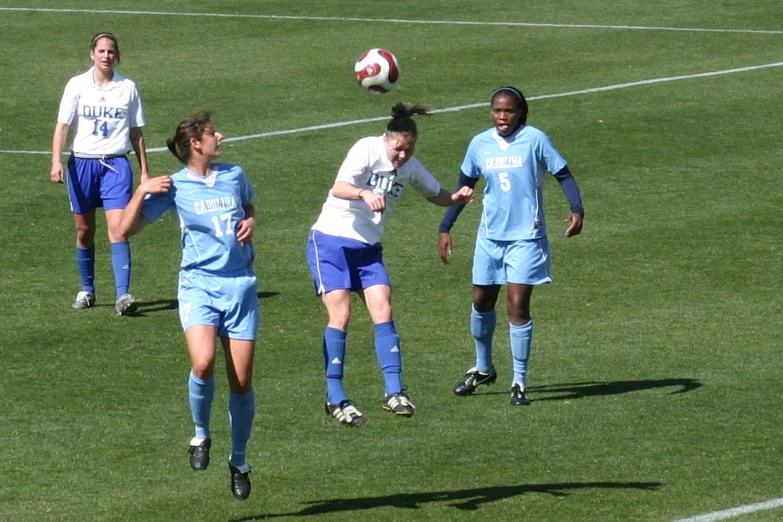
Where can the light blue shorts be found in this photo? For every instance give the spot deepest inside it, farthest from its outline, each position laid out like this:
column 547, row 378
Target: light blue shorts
column 524, row 262
column 229, row 302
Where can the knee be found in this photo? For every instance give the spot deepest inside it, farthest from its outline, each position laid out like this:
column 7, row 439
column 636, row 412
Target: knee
column 203, row 368
column 381, row 313
column 242, row 385
column 85, row 234
column 518, row 313
column 339, row 319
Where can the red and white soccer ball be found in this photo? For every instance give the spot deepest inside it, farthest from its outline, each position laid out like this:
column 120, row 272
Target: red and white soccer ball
column 377, row 70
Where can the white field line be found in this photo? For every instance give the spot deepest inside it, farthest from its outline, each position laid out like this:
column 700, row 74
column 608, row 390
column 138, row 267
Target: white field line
column 392, row 21
column 467, row 107
column 735, row 512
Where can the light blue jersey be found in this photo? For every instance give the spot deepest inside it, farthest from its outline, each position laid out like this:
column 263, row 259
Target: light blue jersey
column 514, row 169
column 209, row 209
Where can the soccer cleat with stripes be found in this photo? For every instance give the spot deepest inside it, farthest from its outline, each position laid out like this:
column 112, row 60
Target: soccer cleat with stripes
column 400, row 404
column 345, row 412
column 518, row 397
column 126, row 304
column 473, row 379
column 84, row 300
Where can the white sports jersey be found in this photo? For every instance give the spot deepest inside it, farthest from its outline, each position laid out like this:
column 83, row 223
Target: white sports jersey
column 101, row 117
column 367, row 166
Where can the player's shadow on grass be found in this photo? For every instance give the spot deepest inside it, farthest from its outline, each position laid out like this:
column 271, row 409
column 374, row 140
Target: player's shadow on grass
column 464, row 499
column 580, row 390
column 161, row 305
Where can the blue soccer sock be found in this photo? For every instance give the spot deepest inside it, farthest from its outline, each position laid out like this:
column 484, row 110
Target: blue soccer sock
column 387, row 349
column 482, row 327
column 85, row 262
column 334, row 363
column 241, row 410
column 521, row 337
column 201, row 393
column 121, row 263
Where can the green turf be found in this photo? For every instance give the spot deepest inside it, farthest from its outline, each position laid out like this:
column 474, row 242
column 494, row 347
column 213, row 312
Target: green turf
column 655, row 371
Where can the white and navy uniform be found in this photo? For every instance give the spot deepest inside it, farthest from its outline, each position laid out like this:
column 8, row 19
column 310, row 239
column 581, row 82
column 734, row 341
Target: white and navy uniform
column 99, row 173
column 344, row 250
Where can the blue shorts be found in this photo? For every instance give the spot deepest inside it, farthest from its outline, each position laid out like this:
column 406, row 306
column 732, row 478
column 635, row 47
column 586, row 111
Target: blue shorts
column 229, row 302
column 94, row 183
column 338, row 263
column 524, row 262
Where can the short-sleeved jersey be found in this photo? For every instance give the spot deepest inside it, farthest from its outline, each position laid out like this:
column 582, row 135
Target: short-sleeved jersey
column 101, row 117
column 514, row 169
column 367, row 166
column 209, row 209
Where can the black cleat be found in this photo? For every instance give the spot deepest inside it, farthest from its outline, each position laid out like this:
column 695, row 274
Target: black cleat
column 518, row 397
column 240, row 481
column 199, row 454
column 346, row 412
column 474, row 379
column 399, row 404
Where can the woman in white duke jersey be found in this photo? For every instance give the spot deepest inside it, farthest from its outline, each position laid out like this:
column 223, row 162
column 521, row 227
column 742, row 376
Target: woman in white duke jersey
column 107, row 115
column 345, row 254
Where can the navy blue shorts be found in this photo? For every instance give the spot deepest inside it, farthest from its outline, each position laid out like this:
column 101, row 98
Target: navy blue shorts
column 95, row 182
column 338, row 263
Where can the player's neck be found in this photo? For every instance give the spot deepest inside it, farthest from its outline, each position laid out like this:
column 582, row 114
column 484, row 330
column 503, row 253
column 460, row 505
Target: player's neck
column 102, row 78
column 200, row 168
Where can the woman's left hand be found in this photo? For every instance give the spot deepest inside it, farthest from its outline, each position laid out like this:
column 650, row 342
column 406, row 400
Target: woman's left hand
column 245, row 230
column 575, row 226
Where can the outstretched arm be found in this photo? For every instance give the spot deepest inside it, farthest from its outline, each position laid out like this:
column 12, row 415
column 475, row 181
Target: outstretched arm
column 462, row 196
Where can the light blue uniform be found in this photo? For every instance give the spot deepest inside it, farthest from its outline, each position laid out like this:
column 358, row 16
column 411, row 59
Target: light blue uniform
column 511, row 245
column 217, row 285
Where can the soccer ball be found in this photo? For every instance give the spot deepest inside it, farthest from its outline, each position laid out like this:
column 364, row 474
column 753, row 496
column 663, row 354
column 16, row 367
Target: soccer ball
column 377, row 70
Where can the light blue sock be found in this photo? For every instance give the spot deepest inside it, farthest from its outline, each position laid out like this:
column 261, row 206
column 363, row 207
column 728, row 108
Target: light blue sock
column 482, row 327
column 521, row 338
column 85, row 262
column 201, row 393
column 387, row 349
column 121, row 263
column 241, row 410
column 334, row 363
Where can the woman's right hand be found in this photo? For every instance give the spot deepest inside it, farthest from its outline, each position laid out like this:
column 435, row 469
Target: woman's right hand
column 445, row 246
column 56, row 174
column 156, row 185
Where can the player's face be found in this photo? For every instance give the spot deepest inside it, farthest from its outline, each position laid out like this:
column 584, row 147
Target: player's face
column 210, row 142
column 505, row 113
column 399, row 148
column 104, row 55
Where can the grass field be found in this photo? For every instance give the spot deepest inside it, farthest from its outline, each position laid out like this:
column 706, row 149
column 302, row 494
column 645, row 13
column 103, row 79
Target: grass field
column 655, row 371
